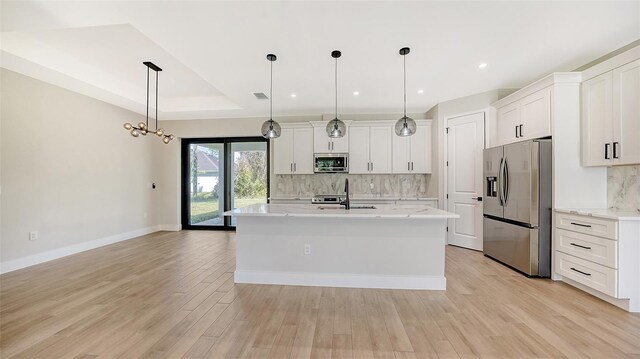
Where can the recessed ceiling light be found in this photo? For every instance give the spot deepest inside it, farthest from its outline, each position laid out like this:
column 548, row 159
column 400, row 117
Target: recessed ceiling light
column 482, row 65
column 420, row 91
column 293, row 95
column 356, row 93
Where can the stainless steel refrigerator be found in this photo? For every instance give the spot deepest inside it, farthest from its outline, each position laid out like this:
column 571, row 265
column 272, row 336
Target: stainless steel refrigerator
column 517, row 208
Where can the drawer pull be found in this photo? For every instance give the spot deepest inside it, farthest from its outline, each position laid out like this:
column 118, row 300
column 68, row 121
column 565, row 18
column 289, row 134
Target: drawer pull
column 577, row 245
column 581, row 272
column 581, row 225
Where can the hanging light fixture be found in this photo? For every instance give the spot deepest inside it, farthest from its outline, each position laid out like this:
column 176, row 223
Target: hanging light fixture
column 406, row 126
column 270, row 128
column 143, row 128
column 336, row 128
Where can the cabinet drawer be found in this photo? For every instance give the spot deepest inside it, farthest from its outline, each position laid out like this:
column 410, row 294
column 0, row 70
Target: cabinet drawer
column 592, row 275
column 587, row 225
column 595, row 249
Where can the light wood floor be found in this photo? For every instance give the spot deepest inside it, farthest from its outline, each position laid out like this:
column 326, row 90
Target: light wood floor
column 171, row 295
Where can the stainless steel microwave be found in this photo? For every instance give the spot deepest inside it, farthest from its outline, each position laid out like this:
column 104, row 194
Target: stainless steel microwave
column 331, row 163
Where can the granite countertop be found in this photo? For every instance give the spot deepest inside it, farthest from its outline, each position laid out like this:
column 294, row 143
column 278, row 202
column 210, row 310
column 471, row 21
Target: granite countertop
column 607, row 213
column 314, row 210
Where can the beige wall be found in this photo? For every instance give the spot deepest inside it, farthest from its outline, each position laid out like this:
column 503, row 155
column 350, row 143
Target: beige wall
column 69, row 171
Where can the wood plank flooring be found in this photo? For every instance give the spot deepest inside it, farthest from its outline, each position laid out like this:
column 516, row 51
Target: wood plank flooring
column 171, row 295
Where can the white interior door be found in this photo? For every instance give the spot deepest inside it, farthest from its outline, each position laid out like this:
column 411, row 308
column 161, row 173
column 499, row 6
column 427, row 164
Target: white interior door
column 465, row 143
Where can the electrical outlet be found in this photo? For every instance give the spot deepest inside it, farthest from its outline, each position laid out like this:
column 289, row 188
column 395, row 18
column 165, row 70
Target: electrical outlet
column 33, row 235
column 307, row 249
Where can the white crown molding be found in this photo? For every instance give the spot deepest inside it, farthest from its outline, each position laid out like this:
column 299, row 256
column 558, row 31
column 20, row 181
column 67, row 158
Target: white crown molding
column 555, row 78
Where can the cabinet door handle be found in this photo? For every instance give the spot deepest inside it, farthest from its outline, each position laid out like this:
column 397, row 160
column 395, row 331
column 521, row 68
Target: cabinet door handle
column 295, row 167
column 368, row 169
column 412, row 165
column 581, row 272
column 329, row 146
column 520, row 130
column 581, row 225
column 579, row 246
column 408, row 166
column 290, row 167
column 615, row 149
column 517, row 132
column 372, row 166
column 606, row 151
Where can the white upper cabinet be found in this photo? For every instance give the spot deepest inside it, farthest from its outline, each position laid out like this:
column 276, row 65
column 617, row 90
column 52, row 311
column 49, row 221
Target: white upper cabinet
column 293, row 151
column 524, row 119
column 611, row 117
column 535, row 112
column 597, row 126
column 626, row 114
column 412, row 154
column 322, row 143
column 370, row 149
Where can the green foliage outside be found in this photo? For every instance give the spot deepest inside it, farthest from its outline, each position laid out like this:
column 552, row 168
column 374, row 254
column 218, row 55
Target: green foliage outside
column 250, row 186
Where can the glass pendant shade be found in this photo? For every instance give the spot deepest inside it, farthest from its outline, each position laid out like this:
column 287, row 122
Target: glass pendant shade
column 406, row 126
column 336, row 128
column 270, row 129
column 128, row 126
column 159, row 132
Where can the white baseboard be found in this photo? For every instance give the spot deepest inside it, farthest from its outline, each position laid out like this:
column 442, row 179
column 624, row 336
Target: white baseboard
column 341, row 280
column 620, row 303
column 38, row 258
column 170, row 227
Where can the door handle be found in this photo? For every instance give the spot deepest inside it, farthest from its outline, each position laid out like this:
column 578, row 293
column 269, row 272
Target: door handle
column 408, row 166
column 372, row 166
column 329, row 146
column 517, row 132
column 520, row 130
column 500, row 182
column 479, row 199
column 606, row 151
column 615, row 150
column 291, row 167
column 295, row 167
column 412, row 165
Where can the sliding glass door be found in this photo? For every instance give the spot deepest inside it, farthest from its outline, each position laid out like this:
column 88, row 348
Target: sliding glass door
column 219, row 174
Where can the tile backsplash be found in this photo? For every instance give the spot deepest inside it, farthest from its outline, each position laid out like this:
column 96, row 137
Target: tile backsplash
column 623, row 187
column 286, row 186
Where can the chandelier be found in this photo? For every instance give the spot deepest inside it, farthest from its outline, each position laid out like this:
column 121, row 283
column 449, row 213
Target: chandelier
column 143, row 128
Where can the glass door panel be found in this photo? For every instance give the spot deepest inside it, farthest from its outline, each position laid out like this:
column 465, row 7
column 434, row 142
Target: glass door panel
column 206, row 184
column 248, row 174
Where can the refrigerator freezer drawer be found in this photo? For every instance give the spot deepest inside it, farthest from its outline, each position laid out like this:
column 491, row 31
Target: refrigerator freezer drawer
column 517, row 246
column 596, row 276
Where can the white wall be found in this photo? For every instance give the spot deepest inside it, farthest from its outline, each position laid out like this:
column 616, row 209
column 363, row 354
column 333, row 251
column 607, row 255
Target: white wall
column 69, row 171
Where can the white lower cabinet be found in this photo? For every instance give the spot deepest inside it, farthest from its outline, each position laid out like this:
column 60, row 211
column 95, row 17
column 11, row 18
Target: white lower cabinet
column 601, row 254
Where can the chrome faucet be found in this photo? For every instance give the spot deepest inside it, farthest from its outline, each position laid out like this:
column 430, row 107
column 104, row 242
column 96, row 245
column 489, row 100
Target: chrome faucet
column 346, row 203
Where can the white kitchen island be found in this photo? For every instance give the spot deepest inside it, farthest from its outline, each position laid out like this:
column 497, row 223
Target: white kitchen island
column 398, row 247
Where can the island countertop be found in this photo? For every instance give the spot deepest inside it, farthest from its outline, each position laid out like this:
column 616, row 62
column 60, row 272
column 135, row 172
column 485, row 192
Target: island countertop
column 325, row 211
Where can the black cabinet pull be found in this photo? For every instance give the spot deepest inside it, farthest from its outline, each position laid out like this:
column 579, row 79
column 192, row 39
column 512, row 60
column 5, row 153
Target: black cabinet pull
column 581, row 225
column 606, row 151
column 479, row 199
column 615, row 150
column 520, row 130
column 517, row 132
column 577, row 245
column 581, row 272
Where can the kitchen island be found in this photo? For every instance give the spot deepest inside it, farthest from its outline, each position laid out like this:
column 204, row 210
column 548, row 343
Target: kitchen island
column 396, row 247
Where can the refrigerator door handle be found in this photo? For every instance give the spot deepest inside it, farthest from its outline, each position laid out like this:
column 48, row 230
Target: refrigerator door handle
column 505, row 184
column 500, row 182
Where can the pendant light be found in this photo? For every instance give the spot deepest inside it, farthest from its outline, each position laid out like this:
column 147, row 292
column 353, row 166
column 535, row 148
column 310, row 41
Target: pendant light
column 336, row 128
column 405, row 126
column 270, row 128
column 143, row 128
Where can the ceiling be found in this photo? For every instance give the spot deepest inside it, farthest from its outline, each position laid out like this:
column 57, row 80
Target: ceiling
column 213, row 54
